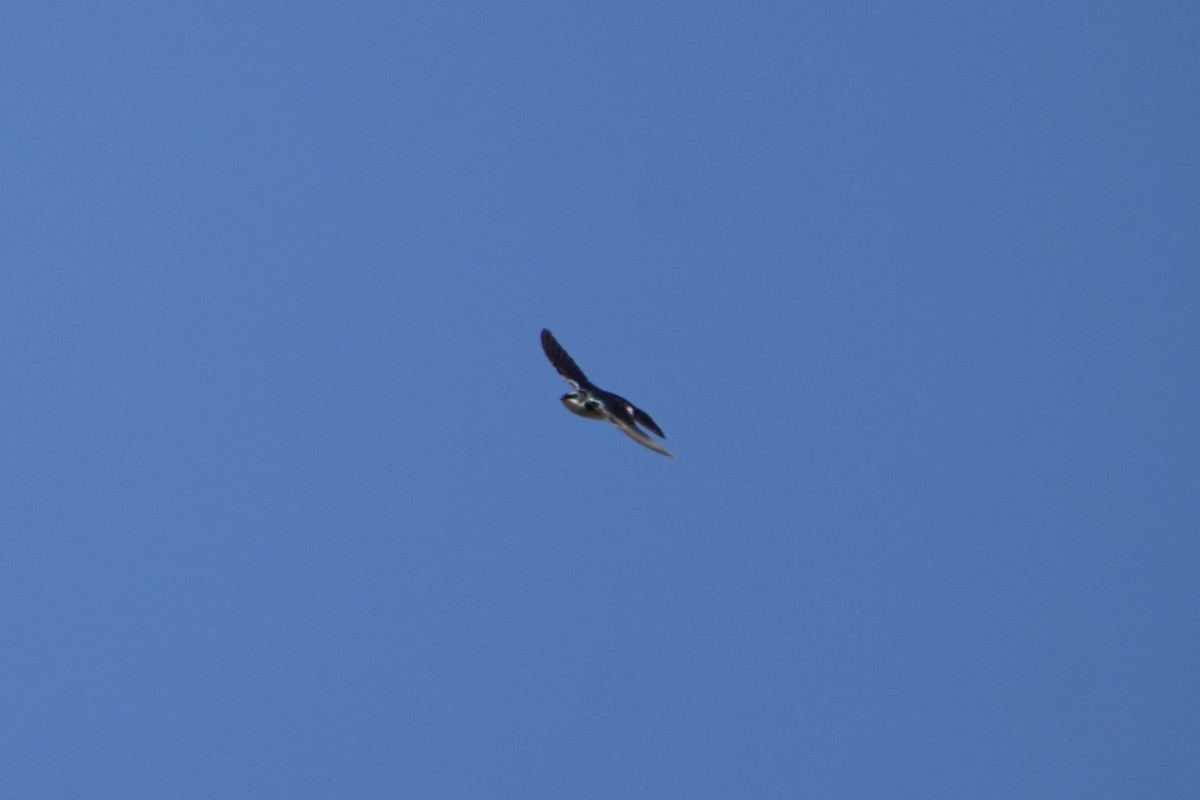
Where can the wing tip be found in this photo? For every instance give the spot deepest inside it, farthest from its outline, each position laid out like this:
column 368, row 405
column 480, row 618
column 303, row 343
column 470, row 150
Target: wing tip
column 644, row 419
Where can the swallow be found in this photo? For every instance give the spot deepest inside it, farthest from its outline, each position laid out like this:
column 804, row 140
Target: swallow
column 591, row 402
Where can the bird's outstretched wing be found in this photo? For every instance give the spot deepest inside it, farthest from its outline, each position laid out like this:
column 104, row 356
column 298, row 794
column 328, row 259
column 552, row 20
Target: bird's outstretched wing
column 563, row 363
column 644, row 420
column 635, row 433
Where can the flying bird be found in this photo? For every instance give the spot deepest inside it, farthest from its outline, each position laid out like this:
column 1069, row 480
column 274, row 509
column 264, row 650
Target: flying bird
column 590, row 401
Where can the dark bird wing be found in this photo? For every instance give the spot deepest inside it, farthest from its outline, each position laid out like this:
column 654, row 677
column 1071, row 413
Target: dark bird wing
column 635, row 433
column 644, row 420
column 563, row 363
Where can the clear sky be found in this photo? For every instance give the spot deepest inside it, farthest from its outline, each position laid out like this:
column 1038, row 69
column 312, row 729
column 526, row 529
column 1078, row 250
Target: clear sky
column 290, row 506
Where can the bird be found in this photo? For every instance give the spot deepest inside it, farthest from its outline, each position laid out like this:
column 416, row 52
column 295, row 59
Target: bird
column 591, row 402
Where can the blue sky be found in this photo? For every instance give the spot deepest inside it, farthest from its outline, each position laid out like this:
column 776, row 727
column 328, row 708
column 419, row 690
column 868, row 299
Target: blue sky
column 292, row 509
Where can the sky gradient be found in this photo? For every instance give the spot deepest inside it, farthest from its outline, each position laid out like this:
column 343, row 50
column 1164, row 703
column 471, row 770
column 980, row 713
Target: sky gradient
column 291, row 508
